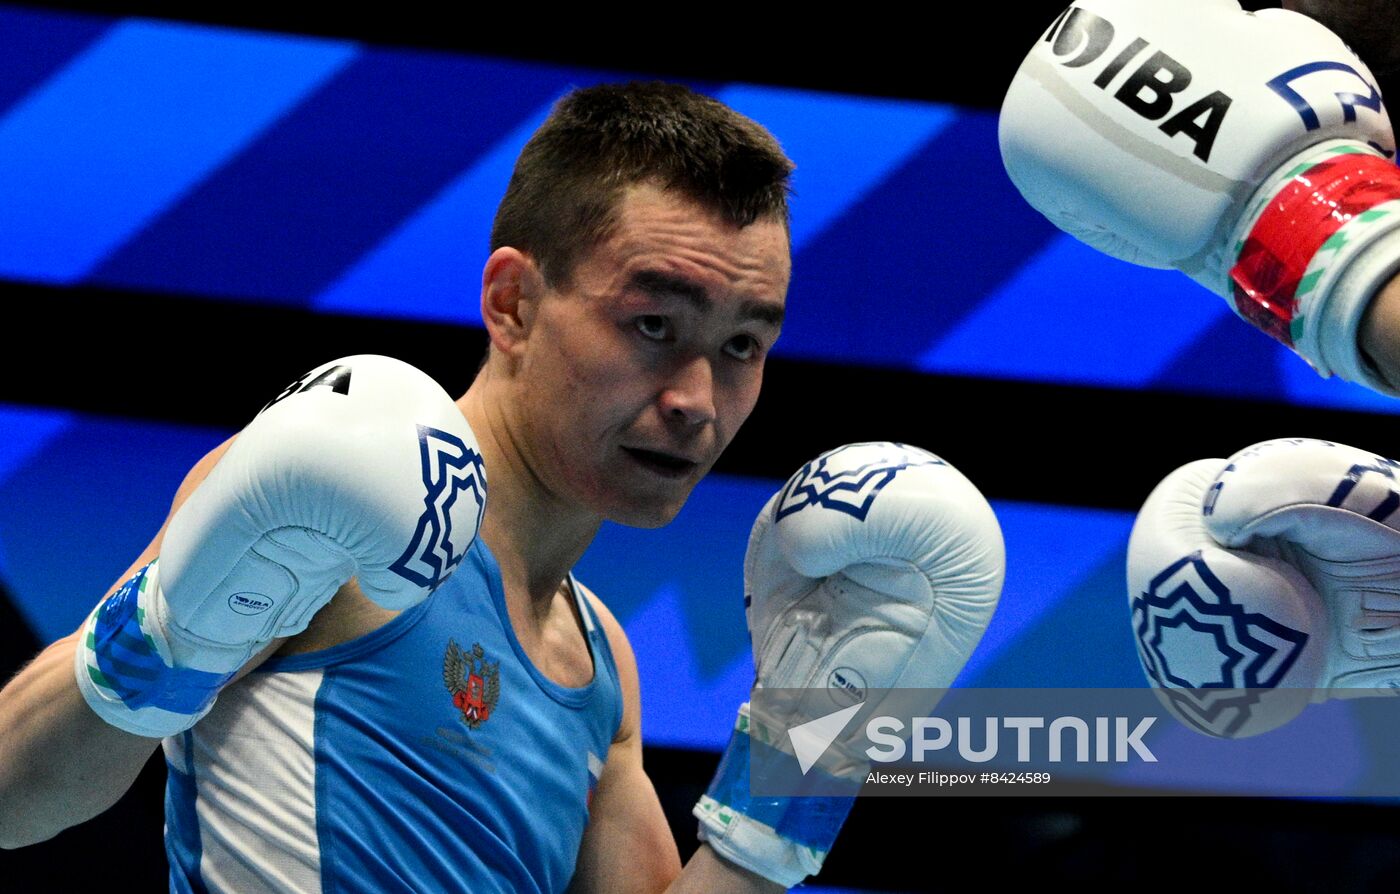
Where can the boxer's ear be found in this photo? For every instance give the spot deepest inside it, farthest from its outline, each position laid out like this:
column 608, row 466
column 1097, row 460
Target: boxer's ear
column 511, row 288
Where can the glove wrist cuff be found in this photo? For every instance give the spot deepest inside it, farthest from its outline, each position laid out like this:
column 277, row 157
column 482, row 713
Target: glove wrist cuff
column 124, row 669
column 783, row 839
column 1358, row 280
column 1306, row 268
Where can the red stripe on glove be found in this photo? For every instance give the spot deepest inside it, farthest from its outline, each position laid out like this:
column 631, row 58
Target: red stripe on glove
column 1306, row 213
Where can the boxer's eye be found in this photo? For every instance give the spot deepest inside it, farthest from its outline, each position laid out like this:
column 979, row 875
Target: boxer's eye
column 742, row 347
column 654, row 326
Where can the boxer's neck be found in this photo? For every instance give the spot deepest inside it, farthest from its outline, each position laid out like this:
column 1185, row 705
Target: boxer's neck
column 536, row 537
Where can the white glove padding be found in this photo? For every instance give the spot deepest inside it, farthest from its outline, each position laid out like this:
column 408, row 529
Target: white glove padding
column 1159, row 132
column 877, row 566
column 364, row 467
column 1267, row 581
column 877, row 557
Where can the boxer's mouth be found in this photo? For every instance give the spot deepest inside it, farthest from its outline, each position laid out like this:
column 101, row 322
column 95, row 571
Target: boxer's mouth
column 667, row 465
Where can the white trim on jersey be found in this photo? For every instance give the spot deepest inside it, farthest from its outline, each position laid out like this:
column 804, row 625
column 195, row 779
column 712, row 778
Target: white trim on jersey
column 254, row 764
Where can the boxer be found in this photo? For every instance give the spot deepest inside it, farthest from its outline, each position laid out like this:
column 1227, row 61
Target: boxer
column 368, row 676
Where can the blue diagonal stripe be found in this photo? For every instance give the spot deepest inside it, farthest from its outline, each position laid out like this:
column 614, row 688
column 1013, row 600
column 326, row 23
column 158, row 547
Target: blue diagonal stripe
column 688, row 705
column 431, row 266
column 125, row 129
column 843, row 145
column 701, row 561
column 1074, row 315
column 1300, row 384
column 1050, row 550
column 26, row 433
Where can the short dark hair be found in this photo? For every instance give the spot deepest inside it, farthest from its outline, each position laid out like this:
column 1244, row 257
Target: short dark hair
column 564, row 191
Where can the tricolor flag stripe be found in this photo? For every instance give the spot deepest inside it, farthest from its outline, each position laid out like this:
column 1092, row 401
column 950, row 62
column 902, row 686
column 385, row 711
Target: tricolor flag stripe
column 595, row 770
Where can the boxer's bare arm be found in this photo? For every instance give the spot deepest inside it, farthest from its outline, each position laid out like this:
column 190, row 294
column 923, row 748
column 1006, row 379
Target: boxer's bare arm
column 708, row 871
column 60, row 764
column 1380, row 331
column 627, row 846
column 1369, row 27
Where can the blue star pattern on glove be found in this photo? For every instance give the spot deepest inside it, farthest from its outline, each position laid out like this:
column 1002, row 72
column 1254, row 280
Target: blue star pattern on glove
column 1187, row 603
column 450, row 469
column 852, row 491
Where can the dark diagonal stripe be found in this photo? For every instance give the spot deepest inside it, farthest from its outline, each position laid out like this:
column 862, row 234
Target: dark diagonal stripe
column 1227, row 356
column 916, row 254
column 34, row 45
column 331, row 179
column 127, row 680
column 63, row 553
column 133, row 652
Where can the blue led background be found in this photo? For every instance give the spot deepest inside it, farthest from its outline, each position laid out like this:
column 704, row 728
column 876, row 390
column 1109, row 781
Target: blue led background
column 336, row 176
column 331, row 175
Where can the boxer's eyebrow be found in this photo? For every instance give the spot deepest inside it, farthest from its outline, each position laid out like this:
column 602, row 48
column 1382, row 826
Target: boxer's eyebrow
column 665, row 285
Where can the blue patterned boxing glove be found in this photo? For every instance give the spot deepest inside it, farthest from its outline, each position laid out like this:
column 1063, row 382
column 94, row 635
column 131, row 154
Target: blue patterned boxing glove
column 364, row 468
column 1268, row 581
column 877, row 566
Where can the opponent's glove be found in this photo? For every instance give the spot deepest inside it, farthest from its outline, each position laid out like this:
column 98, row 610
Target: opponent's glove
column 877, row 566
column 1267, row 581
column 363, row 467
column 1248, row 150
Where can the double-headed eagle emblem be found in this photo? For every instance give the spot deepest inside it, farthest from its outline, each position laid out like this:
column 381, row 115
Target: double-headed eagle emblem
column 474, row 682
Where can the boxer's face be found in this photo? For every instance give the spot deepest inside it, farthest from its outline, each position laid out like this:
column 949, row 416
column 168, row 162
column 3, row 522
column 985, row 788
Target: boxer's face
column 641, row 369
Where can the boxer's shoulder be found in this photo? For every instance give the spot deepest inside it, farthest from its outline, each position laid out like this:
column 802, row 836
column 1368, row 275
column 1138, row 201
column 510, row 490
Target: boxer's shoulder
column 625, row 661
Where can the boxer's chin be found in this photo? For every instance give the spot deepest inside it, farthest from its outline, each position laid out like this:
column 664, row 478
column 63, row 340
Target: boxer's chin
column 646, row 490
column 657, row 514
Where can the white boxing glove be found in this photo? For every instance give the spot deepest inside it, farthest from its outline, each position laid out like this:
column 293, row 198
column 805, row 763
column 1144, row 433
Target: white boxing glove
column 876, row 567
column 1268, row 581
column 364, row 468
column 1248, row 150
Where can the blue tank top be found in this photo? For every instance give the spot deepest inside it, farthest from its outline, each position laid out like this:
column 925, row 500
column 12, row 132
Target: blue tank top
column 428, row 755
